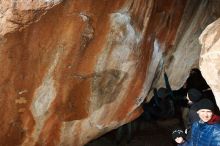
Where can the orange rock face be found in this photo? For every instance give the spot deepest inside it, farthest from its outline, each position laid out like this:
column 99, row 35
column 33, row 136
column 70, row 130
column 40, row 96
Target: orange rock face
column 74, row 70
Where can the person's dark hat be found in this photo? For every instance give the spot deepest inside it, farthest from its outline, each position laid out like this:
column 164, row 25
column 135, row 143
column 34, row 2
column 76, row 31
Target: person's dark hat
column 194, row 95
column 162, row 92
column 204, row 104
column 178, row 133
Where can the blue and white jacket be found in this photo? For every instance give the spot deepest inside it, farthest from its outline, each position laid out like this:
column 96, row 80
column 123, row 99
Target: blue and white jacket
column 204, row 134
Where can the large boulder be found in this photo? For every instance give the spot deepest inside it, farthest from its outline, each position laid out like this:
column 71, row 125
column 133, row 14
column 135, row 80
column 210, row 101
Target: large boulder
column 74, row 70
column 210, row 57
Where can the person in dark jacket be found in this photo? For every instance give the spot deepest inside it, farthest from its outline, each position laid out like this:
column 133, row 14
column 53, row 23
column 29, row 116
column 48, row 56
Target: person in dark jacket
column 159, row 107
column 165, row 108
column 196, row 81
column 193, row 96
column 203, row 132
column 179, row 137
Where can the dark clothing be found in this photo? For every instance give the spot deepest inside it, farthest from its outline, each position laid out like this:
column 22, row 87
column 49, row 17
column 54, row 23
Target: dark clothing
column 165, row 109
column 184, row 144
column 192, row 117
column 158, row 109
column 204, row 134
column 167, row 83
column 180, row 97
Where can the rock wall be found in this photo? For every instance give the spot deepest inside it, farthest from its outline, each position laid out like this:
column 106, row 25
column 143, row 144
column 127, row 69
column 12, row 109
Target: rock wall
column 185, row 52
column 74, row 70
column 210, row 57
column 18, row 14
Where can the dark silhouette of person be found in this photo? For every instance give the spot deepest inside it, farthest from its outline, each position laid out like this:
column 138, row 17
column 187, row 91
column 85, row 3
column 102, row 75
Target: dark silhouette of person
column 159, row 107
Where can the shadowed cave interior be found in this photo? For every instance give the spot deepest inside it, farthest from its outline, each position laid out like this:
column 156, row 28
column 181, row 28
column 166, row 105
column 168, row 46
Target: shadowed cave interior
column 155, row 132
column 142, row 134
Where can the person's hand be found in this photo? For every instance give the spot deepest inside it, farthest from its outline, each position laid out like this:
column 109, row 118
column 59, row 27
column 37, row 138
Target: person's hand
column 179, row 140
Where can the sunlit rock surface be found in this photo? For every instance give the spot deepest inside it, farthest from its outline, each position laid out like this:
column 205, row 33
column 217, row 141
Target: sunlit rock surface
column 74, row 70
column 210, row 57
column 18, row 14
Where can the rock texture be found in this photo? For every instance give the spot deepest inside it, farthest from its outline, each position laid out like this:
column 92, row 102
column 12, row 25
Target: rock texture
column 185, row 52
column 18, row 14
column 210, row 57
column 74, row 70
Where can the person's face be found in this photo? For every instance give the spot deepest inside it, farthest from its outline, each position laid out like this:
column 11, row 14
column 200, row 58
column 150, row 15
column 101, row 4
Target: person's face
column 205, row 114
column 179, row 140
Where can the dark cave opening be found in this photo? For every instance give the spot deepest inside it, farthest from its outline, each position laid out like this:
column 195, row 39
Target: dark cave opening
column 139, row 133
column 156, row 132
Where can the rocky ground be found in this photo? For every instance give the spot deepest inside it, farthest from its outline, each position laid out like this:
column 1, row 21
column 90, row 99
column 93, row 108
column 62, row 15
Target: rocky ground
column 143, row 134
